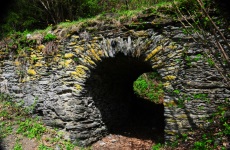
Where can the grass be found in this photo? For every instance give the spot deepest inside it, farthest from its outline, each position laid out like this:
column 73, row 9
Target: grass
column 16, row 121
column 120, row 17
column 18, row 146
column 135, row 8
column 150, row 87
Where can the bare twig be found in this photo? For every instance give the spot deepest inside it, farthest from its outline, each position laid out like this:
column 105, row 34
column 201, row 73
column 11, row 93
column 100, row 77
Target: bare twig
column 199, row 27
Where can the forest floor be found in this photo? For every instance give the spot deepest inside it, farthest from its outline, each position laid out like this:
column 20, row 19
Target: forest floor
column 119, row 142
column 21, row 131
column 110, row 142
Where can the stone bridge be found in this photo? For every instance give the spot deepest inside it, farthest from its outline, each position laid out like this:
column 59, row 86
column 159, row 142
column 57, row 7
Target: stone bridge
column 83, row 84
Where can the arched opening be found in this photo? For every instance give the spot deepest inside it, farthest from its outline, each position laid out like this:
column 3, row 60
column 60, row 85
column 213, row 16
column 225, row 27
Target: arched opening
column 123, row 112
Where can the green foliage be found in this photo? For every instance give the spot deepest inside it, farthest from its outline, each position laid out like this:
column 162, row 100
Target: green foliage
column 69, row 146
column 41, row 13
column 176, row 91
column 43, row 147
column 150, row 87
column 214, row 136
column 198, row 57
column 17, row 146
column 199, row 145
column 15, row 119
column 5, row 129
column 201, row 96
column 211, row 62
column 20, row 19
column 184, row 137
column 49, row 37
column 31, row 129
column 226, row 128
column 223, row 120
column 205, row 143
column 188, row 60
column 92, row 8
column 157, row 146
column 180, row 103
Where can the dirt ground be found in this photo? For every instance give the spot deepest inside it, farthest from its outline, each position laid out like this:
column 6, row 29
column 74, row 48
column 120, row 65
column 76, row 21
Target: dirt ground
column 10, row 141
column 119, row 142
column 110, row 142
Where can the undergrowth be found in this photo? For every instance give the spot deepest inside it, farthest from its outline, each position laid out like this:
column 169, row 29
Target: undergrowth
column 215, row 135
column 18, row 121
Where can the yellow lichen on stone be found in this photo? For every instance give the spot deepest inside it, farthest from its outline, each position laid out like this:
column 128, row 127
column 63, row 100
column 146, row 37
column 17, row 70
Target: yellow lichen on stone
column 66, row 63
column 156, row 50
column 75, row 37
column 159, row 65
column 80, row 72
column 41, row 47
column 96, row 46
column 78, row 87
column 96, row 38
column 17, row 63
column 171, row 46
column 170, row 55
column 169, row 77
column 76, row 77
column 25, row 79
column 73, row 73
column 31, row 72
column 83, row 67
column 33, row 57
column 72, row 43
column 155, row 66
column 100, row 53
column 155, row 59
column 182, row 116
column 89, row 46
column 170, row 132
column 62, row 63
column 95, row 55
column 83, row 40
column 166, row 84
column 171, row 103
column 92, row 46
column 87, row 59
column 139, row 33
column 38, row 64
column 56, row 59
column 163, row 40
column 69, row 55
column 78, row 49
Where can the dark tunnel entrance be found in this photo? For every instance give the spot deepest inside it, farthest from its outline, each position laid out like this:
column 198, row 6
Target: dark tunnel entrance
column 111, row 87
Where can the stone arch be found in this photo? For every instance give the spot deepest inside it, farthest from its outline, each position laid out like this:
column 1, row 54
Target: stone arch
column 60, row 84
column 122, row 112
column 111, row 60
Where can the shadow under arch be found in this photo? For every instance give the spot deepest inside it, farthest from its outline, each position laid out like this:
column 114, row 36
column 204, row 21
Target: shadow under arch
column 111, row 87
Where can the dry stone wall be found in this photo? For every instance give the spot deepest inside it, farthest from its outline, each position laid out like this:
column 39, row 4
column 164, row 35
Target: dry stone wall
column 85, row 87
